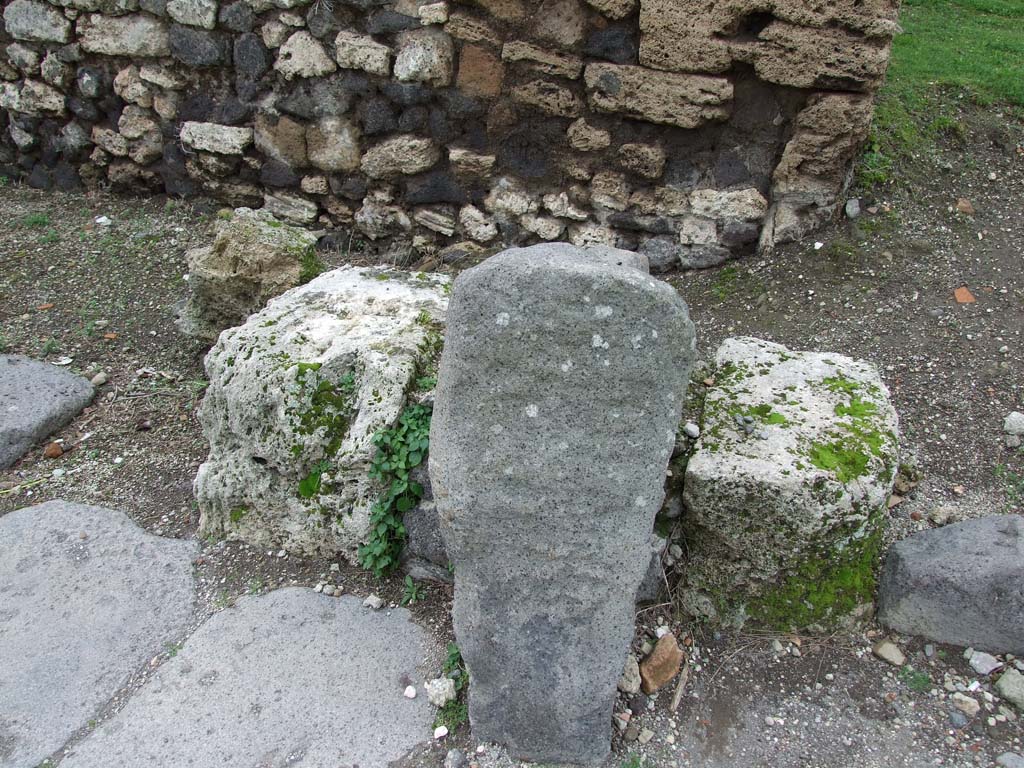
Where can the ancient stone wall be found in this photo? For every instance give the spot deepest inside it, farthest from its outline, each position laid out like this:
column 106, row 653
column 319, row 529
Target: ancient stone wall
column 688, row 129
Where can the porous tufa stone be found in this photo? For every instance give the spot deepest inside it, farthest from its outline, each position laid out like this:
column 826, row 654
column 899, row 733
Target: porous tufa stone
column 806, row 444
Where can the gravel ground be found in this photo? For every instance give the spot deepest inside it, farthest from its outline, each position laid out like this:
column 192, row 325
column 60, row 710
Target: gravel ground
column 880, row 287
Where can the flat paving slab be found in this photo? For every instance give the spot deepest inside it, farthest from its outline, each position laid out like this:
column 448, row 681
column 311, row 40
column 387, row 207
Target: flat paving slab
column 290, row 678
column 86, row 598
column 36, row 398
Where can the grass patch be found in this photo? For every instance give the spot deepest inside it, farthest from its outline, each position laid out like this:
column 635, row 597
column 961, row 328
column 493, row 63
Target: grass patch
column 967, row 45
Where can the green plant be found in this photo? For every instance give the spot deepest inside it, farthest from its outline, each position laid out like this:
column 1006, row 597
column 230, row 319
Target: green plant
column 49, row 347
column 725, row 282
column 172, row 648
column 311, row 264
column 1013, row 486
column 919, row 682
column 50, row 237
column 400, row 449
column 635, row 761
column 35, row 220
column 454, row 713
column 413, row 592
column 309, row 486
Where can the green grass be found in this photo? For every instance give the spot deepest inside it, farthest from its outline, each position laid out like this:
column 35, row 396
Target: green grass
column 965, row 46
column 972, row 44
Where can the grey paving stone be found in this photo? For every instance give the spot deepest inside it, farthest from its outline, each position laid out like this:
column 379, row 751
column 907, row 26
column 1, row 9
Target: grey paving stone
column 290, row 678
column 35, row 399
column 86, row 598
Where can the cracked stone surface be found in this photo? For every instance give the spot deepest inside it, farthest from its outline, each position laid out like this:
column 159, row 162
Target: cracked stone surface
column 86, row 598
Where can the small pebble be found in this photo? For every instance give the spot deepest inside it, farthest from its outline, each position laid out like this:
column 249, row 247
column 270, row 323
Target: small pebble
column 410, row 692
column 99, row 379
column 440, row 732
column 691, row 430
column 376, row 603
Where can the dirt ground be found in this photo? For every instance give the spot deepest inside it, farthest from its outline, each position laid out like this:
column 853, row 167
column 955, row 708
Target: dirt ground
column 100, row 297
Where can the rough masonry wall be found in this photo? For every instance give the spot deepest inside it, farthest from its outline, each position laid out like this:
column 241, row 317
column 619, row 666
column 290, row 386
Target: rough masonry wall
column 691, row 130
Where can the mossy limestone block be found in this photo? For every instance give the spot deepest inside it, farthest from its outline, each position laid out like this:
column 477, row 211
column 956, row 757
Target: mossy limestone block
column 786, row 491
column 295, row 397
column 254, row 257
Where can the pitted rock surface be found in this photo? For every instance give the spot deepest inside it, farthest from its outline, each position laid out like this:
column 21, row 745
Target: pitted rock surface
column 86, row 599
column 287, row 678
column 36, row 399
column 295, row 397
column 961, row 584
column 786, row 490
column 558, row 398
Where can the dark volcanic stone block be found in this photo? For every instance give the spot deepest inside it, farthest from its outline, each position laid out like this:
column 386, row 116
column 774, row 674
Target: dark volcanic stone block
column 197, row 47
column 559, row 393
column 961, row 584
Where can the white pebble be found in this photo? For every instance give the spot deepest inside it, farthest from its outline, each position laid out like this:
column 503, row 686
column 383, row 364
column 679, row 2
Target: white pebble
column 410, row 692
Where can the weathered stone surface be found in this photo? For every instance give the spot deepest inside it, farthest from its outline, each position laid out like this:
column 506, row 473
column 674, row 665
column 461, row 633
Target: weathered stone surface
column 560, row 22
column 253, row 258
column 480, row 72
column 277, row 653
column 290, row 207
column 347, row 333
column 302, row 55
column 786, row 491
column 88, row 598
column 687, row 101
column 645, row 160
column 425, row 56
column 355, row 51
column 809, row 181
column 662, row 664
column 281, row 138
column 743, row 204
column 548, row 97
column 614, row 9
column 1010, row 686
column 198, row 47
column 38, row 22
column 543, row 60
column 36, row 399
column 210, row 137
column 195, row 13
column 840, row 46
column 332, row 144
column 123, row 36
column 33, row 98
column 477, row 224
column 586, row 137
column 400, row 156
column 470, row 29
column 959, row 584
column 559, row 392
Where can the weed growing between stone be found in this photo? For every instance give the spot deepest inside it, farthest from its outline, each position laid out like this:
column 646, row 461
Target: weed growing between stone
column 412, row 592
column 400, row 449
column 455, row 712
column 919, row 682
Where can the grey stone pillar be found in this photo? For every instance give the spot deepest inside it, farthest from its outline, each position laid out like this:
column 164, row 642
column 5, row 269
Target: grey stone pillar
column 559, row 394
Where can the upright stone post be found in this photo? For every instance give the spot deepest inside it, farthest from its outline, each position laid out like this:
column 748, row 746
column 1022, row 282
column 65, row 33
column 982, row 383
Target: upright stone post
column 558, row 398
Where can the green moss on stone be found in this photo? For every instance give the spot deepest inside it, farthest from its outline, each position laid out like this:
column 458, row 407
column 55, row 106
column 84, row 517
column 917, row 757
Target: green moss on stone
column 825, row 587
